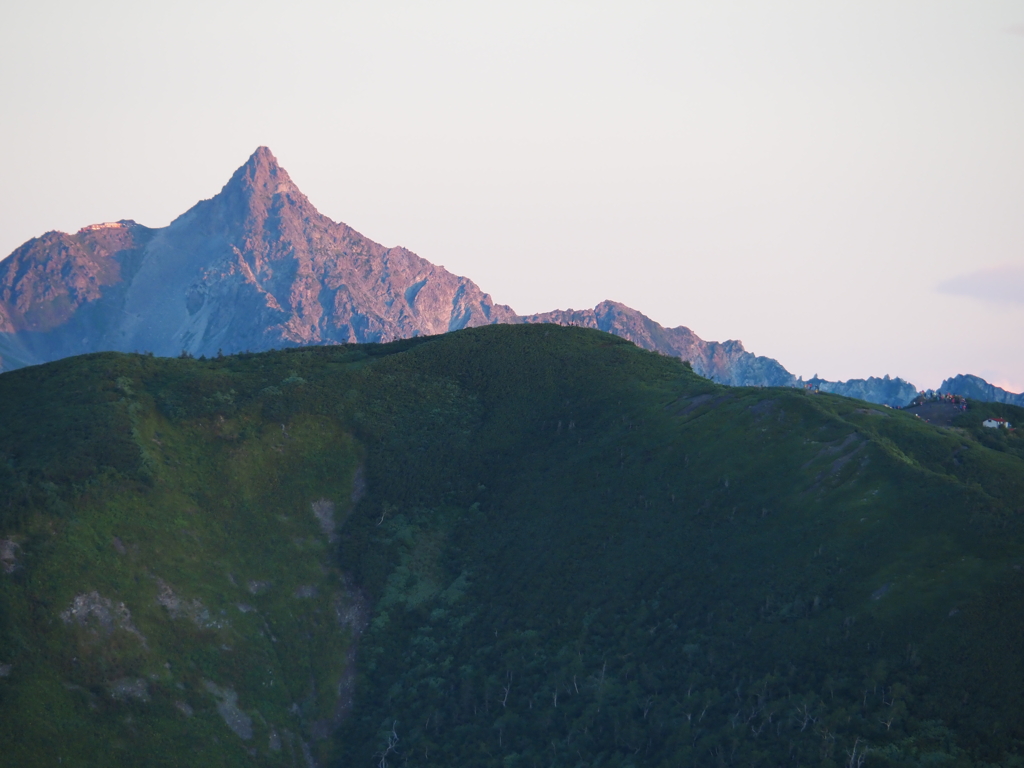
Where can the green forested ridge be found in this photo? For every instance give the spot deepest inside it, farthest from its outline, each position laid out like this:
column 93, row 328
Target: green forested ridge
column 509, row 546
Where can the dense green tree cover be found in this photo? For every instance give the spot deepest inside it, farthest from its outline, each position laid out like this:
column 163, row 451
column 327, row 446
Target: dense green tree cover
column 508, row 546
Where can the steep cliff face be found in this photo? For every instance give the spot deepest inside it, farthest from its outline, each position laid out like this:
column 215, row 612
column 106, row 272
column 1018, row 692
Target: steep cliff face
column 258, row 267
column 255, row 267
column 885, row 390
column 725, row 362
column 62, row 294
column 977, row 388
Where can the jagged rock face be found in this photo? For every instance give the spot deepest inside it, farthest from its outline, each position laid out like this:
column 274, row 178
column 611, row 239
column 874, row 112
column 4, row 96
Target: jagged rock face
column 60, row 294
column 725, row 362
column 977, row 388
column 258, row 267
column 255, row 267
column 886, row 391
column 58, row 273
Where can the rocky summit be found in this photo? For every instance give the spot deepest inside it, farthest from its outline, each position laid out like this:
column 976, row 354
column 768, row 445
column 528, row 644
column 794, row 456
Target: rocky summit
column 257, row 267
column 725, row 362
column 977, row 388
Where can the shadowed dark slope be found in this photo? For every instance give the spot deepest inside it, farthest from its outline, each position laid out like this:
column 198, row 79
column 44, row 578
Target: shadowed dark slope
column 510, row 545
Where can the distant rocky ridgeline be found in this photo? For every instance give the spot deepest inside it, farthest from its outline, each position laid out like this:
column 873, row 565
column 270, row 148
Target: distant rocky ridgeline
column 725, row 362
column 257, row 267
column 976, row 388
column 887, row 391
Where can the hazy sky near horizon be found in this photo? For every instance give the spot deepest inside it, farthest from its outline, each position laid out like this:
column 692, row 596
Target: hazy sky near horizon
column 840, row 185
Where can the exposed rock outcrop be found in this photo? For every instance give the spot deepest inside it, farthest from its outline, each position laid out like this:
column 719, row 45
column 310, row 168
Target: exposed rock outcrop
column 8, row 556
column 100, row 615
column 193, row 610
column 886, row 391
column 227, row 706
column 977, row 388
column 725, row 362
column 257, row 267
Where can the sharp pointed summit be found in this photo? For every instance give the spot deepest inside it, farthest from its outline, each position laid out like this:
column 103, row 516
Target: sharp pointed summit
column 257, row 267
column 257, row 189
column 262, row 158
column 261, row 174
column 254, row 267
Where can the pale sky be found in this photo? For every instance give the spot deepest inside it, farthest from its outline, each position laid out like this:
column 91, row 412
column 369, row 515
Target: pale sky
column 840, row 185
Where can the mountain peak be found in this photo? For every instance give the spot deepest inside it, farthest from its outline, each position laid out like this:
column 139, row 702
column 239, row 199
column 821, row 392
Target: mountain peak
column 261, row 172
column 263, row 158
column 263, row 154
column 255, row 186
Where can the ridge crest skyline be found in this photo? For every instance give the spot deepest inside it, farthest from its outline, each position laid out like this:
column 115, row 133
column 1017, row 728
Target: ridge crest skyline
column 257, row 267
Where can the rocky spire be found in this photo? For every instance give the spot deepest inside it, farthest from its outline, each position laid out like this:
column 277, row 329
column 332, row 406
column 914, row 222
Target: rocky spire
column 261, row 173
column 257, row 188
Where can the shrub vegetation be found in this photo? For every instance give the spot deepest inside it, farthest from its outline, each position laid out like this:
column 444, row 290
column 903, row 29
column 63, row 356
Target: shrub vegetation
column 508, row 546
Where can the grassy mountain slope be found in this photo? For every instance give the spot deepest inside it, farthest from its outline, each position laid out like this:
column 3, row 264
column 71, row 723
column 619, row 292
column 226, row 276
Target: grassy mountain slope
column 511, row 545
